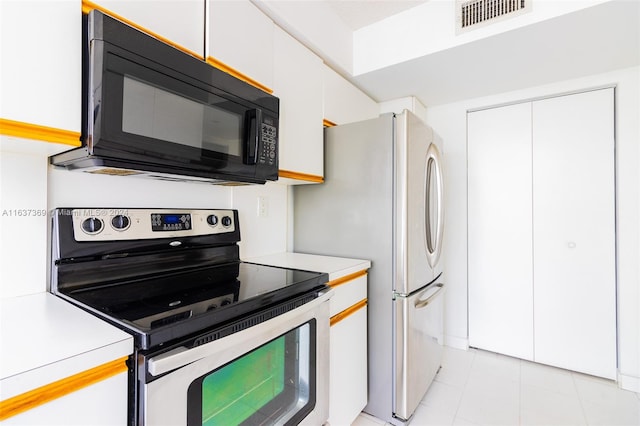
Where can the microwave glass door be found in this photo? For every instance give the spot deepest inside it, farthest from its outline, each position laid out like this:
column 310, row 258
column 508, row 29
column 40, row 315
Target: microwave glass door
column 273, row 384
column 148, row 111
column 159, row 114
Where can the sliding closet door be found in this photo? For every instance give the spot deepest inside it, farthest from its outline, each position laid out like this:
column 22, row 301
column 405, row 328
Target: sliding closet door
column 574, row 232
column 500, row 246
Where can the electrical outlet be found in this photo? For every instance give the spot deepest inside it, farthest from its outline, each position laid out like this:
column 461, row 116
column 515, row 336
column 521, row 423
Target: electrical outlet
column 263, row 206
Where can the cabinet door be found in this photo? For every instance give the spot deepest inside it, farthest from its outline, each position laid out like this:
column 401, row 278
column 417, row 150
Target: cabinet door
column 500, row 245
column 241, row 36
column 40, row 79
column 298, row 84
column 343, row 102
column 179, row 21
column 348, row 372
column 574, row 232
column 100, row 404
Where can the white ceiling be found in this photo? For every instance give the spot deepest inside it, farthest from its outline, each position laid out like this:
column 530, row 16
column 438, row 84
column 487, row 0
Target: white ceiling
column 594, row 40
column 591, row 41
column 360, row 13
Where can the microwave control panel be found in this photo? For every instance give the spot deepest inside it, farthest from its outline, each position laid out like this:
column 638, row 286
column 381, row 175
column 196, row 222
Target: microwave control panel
column 269, row 139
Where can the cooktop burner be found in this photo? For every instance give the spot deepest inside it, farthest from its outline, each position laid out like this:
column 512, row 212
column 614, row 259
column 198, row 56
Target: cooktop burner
column 162, row 284
column 206, row 297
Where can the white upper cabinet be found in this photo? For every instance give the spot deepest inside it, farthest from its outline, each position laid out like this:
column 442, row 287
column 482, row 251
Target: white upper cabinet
column 343, row 102
column 40, row 80
column 242, row 40
column 179, row 22
column 235, row 33
column 298, row 83
column 241, row 36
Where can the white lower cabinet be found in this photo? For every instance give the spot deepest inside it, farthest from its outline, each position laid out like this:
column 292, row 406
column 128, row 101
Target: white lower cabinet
column 348, row 379
column 542, row 283
column 101, row 404
column 63, row 366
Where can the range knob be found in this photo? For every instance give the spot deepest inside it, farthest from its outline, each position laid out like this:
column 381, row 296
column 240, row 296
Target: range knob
column 225, row 302
column 212, row 220
column 226, row 221
column 92, row 225
column 120, row 222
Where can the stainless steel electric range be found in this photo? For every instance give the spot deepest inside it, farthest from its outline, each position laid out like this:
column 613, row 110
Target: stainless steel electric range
column 217, row 340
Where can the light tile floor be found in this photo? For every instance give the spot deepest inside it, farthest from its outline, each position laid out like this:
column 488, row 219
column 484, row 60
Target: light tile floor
column 482, row 388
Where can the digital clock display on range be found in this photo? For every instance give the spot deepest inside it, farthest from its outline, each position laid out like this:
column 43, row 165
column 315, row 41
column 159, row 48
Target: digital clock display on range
column 170, row 222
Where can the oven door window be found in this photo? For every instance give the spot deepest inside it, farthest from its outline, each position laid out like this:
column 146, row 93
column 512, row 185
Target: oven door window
column 273, row 384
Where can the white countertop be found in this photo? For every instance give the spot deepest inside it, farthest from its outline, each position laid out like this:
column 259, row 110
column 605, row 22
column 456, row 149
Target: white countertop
column 336, row 267
column 44, row 338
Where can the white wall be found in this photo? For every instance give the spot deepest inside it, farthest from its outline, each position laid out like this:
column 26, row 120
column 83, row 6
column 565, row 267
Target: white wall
column 23, row 222
column 30, row 186
column 263, row 230
column 449, row 123
column 260, row 235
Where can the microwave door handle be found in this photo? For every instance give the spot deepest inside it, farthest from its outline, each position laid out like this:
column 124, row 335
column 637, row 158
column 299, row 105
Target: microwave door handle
column 252, row 121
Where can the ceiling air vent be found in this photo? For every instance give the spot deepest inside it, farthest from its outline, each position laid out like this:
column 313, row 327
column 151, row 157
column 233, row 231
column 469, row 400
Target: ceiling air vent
column 472, row 14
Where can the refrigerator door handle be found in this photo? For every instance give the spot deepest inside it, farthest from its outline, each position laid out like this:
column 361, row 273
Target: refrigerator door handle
column 434, row 194
column 422, row 303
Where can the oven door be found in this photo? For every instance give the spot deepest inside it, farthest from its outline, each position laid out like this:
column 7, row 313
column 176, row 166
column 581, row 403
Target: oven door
column 274, row 373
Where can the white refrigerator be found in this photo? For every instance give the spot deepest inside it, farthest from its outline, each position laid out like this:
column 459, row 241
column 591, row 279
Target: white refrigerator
column 382, row 200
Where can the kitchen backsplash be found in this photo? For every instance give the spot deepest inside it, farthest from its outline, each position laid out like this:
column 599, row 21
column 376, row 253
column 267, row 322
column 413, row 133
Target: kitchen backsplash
column 32, row 188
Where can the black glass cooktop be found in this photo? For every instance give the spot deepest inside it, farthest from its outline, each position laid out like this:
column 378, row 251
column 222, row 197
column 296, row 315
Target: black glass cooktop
column 162, row 308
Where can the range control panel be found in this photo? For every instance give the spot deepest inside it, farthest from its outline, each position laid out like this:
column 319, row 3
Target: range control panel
column 113, row 224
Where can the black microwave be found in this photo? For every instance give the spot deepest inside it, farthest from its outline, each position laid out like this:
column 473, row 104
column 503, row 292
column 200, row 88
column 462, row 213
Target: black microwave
column 152, row 110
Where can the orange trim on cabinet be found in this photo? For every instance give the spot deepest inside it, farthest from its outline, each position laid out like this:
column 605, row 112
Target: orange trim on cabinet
column 47, row 393
column 300, row 176
column 42, row 133
column 237, row 74
column 347, row 312
column 346, row 278
column 328, row 123
column 88, row 6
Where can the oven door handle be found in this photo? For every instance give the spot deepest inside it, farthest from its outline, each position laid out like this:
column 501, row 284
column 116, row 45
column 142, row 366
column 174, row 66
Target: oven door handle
column 181, row 356
column 164, row 363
